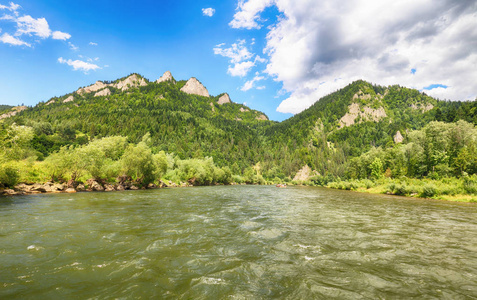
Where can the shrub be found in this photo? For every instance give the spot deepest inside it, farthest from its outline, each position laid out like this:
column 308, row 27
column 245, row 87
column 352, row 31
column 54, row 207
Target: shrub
column 428, row 191
column 470, row 184
column 9, row 176
column 402, row 190
column 368, row 183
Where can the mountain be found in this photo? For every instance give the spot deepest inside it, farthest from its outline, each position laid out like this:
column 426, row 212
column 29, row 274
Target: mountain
column 182, row 118
column 351, row 121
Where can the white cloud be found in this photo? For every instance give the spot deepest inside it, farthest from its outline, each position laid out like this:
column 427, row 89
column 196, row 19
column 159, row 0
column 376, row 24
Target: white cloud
column 73, row 46
column 240, row 58
column 8, row 39
column 79, row 64
column 13, row 7
column 248, row 13
column 250, row 84
column 58, row 35
column 209, row 12
column 240, row 69
column 237, row 52
column 93, row 44
column 315, row 48
column 259, row 59
column 29, row 25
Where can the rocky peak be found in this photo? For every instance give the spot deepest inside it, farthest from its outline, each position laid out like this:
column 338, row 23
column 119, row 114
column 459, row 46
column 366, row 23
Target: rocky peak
column 92, row 88
column 193, row 86
column 167, row 76
column 224, row 99
column 131, row 81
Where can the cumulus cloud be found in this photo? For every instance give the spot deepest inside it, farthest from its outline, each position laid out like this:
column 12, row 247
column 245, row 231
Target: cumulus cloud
column 240, row 69
column 79, row 64
column 209, row 12
column 58, row 35
column 248, row 14
column 237, row 52
column 28, row 26
column 315, row 48
column 13, row 7
column 239, row 57
column 93, row 44
column 8, row 39
column 250, row 84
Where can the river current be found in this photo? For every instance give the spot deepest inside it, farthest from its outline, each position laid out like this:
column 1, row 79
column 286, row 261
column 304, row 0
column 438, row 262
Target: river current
column 237, row 242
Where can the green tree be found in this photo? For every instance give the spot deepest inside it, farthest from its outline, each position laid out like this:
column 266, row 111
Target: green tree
column 376, row 168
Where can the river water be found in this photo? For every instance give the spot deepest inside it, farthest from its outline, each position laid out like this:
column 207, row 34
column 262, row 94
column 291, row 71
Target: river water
column 238, row 242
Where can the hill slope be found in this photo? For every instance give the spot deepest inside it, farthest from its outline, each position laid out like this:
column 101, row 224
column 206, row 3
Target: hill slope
column 183, row 119
column 183, row 123
column 351, row 121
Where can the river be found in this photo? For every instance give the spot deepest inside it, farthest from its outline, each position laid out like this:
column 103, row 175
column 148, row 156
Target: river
column 239, row 242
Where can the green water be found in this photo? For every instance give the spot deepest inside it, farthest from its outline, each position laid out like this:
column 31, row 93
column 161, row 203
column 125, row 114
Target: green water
column 238, row 242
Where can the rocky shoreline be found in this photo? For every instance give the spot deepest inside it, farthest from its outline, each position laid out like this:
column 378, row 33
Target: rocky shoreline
column 90, row 185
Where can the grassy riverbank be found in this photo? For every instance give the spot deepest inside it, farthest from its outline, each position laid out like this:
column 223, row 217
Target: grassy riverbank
column 451, row 189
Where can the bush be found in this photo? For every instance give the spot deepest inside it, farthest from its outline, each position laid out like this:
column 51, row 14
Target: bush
column 470, row 184
column 402, row 190
column 428, row 191
column 238, row 179
column 9, row 176
column 368, row 183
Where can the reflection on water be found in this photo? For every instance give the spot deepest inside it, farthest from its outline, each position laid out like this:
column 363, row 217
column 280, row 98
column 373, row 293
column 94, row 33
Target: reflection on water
column 242, row 242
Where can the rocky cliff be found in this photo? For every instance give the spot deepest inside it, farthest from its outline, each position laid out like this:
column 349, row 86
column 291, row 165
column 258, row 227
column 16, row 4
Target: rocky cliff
column 194, row 87
column 167, row 76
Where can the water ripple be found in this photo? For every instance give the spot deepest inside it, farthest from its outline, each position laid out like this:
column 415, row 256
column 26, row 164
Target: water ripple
column 238, row 242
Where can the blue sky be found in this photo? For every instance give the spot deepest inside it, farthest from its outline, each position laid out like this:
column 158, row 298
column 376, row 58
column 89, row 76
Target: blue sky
column 277, row 56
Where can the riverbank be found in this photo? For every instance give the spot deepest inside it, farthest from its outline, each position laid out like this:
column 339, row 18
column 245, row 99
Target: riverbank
column 449, row 189
column 89, row 186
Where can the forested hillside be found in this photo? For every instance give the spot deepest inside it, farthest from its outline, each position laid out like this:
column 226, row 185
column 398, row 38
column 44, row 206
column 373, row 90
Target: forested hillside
column 188, row 125
column 353, row 120
column 339, row 136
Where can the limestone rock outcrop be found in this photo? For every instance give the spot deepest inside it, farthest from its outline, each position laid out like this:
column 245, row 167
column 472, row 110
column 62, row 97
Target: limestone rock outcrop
column 261, row 118
column 167, row 76
column 69, row 99
column 131, row 81
column 92, row 88
column 194, row 87
column 422, row 107
column 398, row 138
column 104, row 92
column 13, row 112
column 366, row 113
column 225, row 98
column 304, row 174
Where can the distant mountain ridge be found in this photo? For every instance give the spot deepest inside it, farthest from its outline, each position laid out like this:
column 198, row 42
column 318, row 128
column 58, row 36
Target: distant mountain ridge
column 181, row 117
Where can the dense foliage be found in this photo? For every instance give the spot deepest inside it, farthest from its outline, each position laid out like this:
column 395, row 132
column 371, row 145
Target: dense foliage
column 157, row 131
